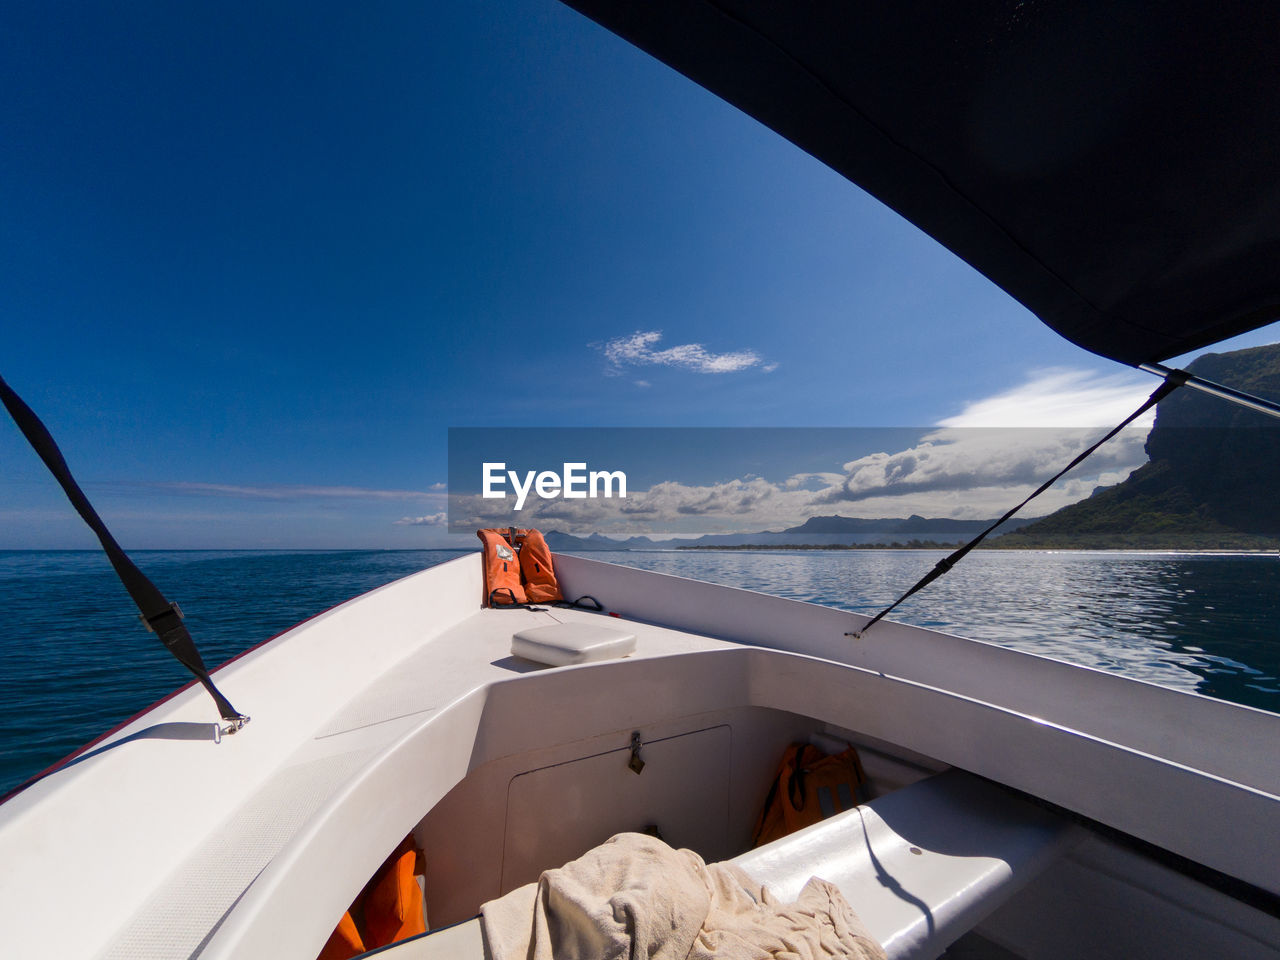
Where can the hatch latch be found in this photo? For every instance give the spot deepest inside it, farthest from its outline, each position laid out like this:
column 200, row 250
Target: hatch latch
column 635, row 763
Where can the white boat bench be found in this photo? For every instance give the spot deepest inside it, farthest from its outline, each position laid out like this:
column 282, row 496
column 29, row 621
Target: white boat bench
column 921, row 866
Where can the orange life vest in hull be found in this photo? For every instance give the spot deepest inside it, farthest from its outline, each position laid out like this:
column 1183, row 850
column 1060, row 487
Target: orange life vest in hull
column 387, row 910
column 810, row 786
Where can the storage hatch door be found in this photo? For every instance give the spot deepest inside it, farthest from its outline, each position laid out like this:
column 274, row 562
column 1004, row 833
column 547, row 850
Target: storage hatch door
column 557, row 813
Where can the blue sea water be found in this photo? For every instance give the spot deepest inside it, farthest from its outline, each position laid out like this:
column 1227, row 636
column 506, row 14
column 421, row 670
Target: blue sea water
column 74, row 660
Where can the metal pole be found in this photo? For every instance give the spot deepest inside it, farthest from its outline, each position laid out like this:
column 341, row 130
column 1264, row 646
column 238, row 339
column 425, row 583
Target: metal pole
column 1216, row 389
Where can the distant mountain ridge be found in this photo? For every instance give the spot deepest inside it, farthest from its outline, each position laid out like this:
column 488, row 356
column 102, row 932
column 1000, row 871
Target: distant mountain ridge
column 820, row 531
column 913, row 525
column 1212, row 477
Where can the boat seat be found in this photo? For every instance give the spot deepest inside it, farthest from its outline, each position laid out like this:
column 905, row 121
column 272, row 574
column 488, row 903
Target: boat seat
column 921, row 866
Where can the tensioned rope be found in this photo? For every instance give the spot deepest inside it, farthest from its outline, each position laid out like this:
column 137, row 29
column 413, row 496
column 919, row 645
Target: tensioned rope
column 1173, row 380
column 158, row 614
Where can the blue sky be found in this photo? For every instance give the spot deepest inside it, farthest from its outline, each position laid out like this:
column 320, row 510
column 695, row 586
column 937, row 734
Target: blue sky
column 258, row 261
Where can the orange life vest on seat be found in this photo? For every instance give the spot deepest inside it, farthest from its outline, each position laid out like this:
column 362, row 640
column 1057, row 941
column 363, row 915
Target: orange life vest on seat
column 540, row 584
column 502, row 586
column 509, row 579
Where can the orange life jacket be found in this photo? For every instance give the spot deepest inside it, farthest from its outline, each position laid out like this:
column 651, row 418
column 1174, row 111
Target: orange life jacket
column 502, row 587
column 509, row 579
column 393, row 903
column 810, row 786
column 345, row 942
column 387, row 910
column 540, row 584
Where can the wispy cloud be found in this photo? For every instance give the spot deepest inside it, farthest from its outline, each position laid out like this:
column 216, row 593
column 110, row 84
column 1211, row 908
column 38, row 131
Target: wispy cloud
column 1060, row 397
column 281, row 491
column 431, row 520
column 640, row 349
column 969, row 460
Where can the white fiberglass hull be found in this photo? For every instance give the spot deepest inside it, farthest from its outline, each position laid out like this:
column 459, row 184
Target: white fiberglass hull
column 403, row 711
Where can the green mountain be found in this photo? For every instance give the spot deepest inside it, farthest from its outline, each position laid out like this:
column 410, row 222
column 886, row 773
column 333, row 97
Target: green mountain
column 1211, row 482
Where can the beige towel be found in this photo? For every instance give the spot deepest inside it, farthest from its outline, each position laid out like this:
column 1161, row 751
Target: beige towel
column 635, row 897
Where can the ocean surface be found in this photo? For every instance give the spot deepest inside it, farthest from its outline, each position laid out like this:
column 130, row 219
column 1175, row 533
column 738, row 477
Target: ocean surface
column 75, row 661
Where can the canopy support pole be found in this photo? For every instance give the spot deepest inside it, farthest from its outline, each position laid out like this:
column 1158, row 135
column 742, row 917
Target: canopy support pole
column 1215, row 389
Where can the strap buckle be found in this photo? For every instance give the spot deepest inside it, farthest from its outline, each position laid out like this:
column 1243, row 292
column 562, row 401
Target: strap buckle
column 149, row 622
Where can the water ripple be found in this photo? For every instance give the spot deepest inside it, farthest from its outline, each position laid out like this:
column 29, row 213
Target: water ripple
column 74, row 660
column 1193, row 621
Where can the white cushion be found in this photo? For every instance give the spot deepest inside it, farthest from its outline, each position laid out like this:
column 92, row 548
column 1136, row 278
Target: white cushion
column 561, row 644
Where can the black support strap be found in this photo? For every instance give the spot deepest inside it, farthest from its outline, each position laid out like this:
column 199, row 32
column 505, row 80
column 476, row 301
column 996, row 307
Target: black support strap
column 158, row 614
column 1173, row 380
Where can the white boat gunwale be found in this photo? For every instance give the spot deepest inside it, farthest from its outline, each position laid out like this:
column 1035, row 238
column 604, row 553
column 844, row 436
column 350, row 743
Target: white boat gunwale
column 460, row 728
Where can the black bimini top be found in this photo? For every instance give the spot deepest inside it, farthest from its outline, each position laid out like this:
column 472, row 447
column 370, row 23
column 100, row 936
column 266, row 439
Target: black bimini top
column 1114, row 166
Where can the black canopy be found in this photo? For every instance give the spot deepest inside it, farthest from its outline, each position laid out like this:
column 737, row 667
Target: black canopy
column 1114, row 166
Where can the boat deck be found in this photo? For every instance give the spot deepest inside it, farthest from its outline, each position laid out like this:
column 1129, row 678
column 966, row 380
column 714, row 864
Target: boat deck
column 460, row 663
column 921, row 865
column 404, row 710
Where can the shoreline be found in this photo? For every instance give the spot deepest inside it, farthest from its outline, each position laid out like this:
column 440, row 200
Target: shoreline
column 1042, row 547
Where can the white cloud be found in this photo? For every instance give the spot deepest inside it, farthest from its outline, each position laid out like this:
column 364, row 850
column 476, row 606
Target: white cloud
column 1060, row 397
column 972, row 459
column 431, row 520
column 812, row 481
column 638, row 349
column 747, row 504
